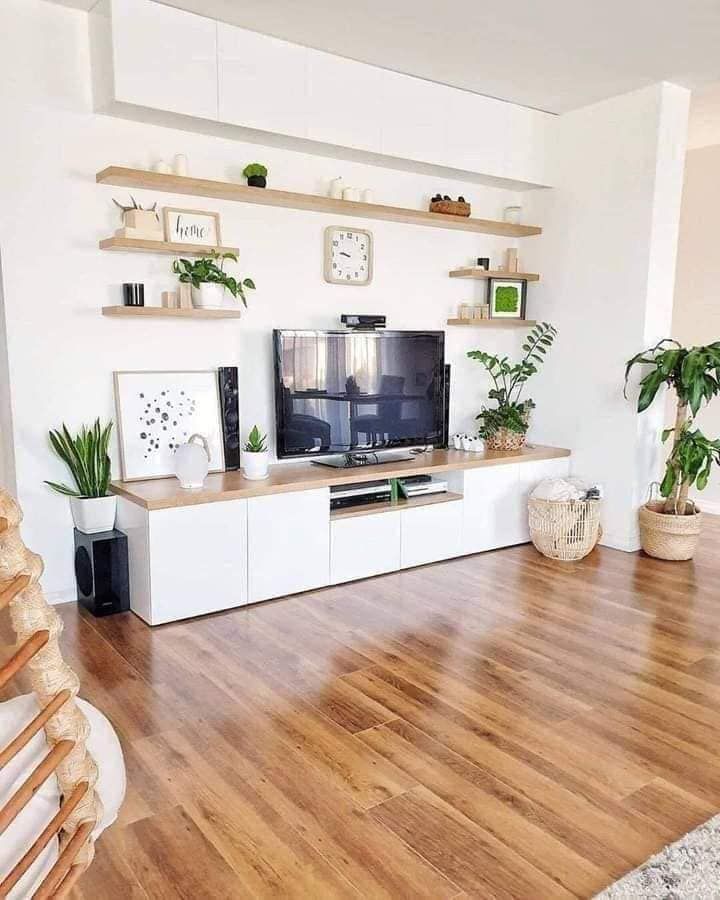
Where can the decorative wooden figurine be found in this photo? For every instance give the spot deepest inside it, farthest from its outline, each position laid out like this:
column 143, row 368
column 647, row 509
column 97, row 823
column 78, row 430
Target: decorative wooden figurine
column 140, row 223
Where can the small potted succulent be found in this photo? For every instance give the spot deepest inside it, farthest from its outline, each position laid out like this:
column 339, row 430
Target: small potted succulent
column 256, row 175
column 209, row 280
column 256, row 456
column 86, row 456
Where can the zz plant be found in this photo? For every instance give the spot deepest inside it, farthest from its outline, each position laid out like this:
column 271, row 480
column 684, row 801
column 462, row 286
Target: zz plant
column 207, row 270
column 694, row 375
column 86, row 456
column 509, row 380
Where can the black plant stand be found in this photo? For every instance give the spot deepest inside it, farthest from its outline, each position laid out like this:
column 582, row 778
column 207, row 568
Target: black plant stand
column 101, row 572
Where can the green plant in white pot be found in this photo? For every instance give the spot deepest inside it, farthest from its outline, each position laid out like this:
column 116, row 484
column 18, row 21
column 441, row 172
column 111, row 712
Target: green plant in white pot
column 209, row 280
column 86, row 456
column 256, row 456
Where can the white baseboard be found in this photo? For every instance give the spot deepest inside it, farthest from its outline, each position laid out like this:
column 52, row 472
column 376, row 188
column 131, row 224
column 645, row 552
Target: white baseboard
column 710, row 506
column 54, row 598
column 617, row 542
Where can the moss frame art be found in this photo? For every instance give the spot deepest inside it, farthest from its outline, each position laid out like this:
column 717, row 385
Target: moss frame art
column 507, row 298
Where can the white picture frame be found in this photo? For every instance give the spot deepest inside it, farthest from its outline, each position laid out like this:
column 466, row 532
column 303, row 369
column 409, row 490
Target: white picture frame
column 191, row 226
column 158, row 411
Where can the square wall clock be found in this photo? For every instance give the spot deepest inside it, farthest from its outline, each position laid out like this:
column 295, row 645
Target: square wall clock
column 348, row 255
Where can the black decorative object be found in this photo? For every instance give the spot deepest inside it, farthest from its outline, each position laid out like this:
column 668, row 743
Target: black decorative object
column 101, row 572
column 483, row 262
column 230, row 415
column 446, row 411
column 257, row 181
column 134, row 294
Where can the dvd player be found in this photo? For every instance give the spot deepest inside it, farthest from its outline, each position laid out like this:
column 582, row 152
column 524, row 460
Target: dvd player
column 344, row 495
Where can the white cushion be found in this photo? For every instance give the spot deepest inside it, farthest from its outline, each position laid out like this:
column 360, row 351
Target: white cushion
column 105, row 748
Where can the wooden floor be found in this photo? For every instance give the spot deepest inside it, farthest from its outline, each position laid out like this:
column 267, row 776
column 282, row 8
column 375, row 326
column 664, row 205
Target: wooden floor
column 499, row 726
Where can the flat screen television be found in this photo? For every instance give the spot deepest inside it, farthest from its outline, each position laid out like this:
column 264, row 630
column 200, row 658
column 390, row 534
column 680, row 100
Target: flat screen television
column 354, row 391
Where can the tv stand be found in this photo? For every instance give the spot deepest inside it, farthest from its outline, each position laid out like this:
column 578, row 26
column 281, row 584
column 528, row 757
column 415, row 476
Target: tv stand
column 362, row 458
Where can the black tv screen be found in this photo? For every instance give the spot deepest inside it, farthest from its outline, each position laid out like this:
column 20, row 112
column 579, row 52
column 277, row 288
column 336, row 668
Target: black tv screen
column 340, row 391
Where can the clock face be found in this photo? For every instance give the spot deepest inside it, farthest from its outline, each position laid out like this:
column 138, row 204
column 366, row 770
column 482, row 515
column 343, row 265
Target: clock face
column 348, row 255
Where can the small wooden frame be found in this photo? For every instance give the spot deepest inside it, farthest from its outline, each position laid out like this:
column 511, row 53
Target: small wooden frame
column 186, row 226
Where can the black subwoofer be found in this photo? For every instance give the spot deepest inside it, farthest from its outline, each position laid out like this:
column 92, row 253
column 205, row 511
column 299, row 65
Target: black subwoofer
column 101, row 572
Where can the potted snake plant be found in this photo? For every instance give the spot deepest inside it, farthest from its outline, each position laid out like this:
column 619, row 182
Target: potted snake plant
column 86, row 456
column 670, row 528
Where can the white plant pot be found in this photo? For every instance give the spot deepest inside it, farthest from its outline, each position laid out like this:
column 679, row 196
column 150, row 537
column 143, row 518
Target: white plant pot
column 208, row 296
column 93, row 514
column 255, row 465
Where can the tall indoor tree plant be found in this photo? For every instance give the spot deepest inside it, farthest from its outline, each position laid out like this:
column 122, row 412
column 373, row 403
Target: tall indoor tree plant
column 504, row 427
column 670, row 529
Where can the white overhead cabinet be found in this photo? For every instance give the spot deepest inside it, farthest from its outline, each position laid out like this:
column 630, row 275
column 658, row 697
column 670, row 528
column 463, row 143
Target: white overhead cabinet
column 262, row 82
column 155, row 56
column 413, row 119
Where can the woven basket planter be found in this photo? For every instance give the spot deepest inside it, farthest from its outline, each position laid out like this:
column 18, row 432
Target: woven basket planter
column 564, row 529
column 503, row 439
column 666, row 536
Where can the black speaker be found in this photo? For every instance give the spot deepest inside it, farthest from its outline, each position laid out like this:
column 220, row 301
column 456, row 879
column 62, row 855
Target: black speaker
column 230, row 408
column 446, row 408
column 101, row 572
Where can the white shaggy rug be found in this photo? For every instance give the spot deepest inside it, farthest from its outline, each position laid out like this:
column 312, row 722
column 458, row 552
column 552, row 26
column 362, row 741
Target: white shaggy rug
column 689, row 869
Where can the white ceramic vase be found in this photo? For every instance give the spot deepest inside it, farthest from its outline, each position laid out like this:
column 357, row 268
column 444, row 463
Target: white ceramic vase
column 255, row 465
column 192, row 462
column 208, row 296
column 93, row 514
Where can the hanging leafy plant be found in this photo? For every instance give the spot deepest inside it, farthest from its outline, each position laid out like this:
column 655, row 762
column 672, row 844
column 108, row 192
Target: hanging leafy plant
column 207, row 271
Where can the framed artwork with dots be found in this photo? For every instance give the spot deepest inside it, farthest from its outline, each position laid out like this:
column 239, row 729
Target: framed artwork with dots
column 158, row 411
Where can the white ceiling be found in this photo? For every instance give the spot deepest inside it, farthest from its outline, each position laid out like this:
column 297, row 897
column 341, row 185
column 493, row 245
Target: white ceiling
column 554, row 55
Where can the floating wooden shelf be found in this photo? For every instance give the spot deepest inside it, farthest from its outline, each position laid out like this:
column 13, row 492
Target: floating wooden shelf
column 160, row 312
column 136, row 244
column 477, row 272
column 227, row 190
column 494, row 323
column 370, row 509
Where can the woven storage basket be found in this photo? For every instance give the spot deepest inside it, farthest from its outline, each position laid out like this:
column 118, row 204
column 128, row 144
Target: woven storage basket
column 666, row 536
column 504, row 439
column 450, row 207
column 564, row 529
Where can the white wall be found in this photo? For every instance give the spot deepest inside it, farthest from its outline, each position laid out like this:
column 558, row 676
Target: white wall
column 607, row 258
column 696, row 314
column 62, row 351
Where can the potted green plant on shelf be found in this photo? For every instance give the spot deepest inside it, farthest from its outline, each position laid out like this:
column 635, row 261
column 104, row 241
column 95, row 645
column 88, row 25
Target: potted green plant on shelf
column 505, row 426
column 670, row 528
column 86, row 456
column 256, row 174
column 256, row 456
column 210, row 281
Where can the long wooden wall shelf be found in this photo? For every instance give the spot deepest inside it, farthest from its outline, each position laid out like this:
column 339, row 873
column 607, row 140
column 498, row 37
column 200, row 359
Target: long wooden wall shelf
column 226, row 190
column 143, row 246
column 160, row 312
column 477, row 272
column 493, row 323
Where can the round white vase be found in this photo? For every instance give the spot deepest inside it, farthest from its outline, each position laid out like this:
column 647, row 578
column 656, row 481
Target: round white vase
column 192, row 462
column 208, row 296
column 93, row 514
column 255, row 465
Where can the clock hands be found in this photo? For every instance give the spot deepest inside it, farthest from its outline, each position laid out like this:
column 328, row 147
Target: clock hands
column 343, row 253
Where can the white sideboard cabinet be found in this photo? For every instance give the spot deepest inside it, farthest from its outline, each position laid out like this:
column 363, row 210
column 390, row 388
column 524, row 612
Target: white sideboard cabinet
column 237, row 541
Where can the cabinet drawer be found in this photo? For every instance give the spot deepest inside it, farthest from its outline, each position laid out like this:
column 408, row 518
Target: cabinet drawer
column 288, row 543
column 430, row 533
column 362, row 546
